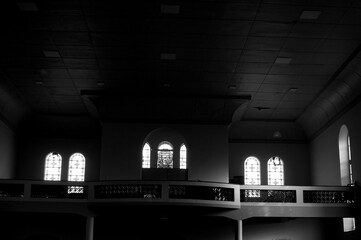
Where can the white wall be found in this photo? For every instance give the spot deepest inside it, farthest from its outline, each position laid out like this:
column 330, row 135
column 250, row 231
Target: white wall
column 325, row 163
column 207, row 147
column 294, row 155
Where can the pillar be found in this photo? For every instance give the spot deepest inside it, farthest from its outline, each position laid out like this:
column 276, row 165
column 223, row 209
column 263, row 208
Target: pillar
column 239, row 230
column 89, row 228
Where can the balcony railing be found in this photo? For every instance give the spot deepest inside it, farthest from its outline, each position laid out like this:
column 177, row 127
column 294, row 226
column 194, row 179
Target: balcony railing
column 299, row 194
column 187, row 193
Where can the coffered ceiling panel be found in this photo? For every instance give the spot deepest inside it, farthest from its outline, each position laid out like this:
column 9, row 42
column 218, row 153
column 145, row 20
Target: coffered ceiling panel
column 247, row 78
column 278, row 13
column 302, row 44
column 265, row 43
column 270, row 29
column 308, row 30
column 199, row 60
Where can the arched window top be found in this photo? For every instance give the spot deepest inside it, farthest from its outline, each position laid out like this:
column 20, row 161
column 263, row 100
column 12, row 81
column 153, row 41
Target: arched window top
column 183, row 147
column 146, row 156
column 252, row 171
column 275, row 161
column 251, row 160
column 77, row 157
column 76, row 171
column 165, row 155
column 275, row 171
column 165, row 146
column 183, row 157
column 52, row 167
column 146, row 147
column 54, row 156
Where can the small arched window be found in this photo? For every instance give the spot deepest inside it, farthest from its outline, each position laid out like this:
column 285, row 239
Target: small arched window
column 183, row 157
column 52, row 167
column 76, row 171
column 252, row 171
column 146, row 156
column 165, row 155
column 275, row 171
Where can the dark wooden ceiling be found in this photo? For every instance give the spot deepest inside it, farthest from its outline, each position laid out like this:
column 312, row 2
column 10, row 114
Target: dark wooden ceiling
column 193, row 61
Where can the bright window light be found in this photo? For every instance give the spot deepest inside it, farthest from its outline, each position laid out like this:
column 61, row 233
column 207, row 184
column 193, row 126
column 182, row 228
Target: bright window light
column 183, row 157
column 349, row 224
column 76, row 171
column 146, row 156
column 52, row 167
column 165, row 155
column 275, row 171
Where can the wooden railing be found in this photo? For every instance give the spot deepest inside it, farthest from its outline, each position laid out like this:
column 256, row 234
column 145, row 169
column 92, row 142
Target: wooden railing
column 185, row 193
column 299, row 194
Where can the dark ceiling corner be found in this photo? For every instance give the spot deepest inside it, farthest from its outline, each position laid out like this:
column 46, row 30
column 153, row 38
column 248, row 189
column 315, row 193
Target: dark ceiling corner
column 343, row 88
column 12, row 108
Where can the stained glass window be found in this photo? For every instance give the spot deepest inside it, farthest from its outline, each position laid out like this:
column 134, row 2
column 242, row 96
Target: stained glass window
column 76, row 171
column 146, row 156
column 183, row 157
column 275, row 171
column 165, row 155
column 52, row 167
column 252, row 171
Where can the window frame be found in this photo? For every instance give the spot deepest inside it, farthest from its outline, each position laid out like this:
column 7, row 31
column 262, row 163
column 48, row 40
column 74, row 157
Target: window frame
column 277, row 176
column 162, row 153
column 56, row 176
column 76, row 169
column 183, row 156
column 252, row 180
column 146, row 158
column 345, row 149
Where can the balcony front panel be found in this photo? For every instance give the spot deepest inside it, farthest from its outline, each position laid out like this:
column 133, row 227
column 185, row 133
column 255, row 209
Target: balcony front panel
column 237, row 201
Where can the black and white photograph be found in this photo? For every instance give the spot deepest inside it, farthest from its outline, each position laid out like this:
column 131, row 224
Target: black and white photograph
column 180, row 119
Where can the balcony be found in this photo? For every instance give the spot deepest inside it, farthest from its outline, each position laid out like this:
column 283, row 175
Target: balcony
column 221, row 199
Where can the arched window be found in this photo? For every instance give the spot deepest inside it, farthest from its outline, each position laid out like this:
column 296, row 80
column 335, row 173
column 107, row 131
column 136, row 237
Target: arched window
column 344, row 146
column 275, row 171
column 183, row 157
column 76, row 171
column 165, row 155
column 252, row 171
column 146, row 156
column 52, row 167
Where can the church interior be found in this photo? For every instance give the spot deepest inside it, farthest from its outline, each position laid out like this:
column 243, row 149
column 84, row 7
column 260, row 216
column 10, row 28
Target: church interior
column 184, row 120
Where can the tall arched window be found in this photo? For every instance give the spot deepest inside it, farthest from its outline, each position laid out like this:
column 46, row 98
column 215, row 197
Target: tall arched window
column 165, row 155
column 76, row 171
column 344, row 146
column 183, row 157
column 275, row 171
column 252, row 171
column 52, row 167
column 146, row 156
